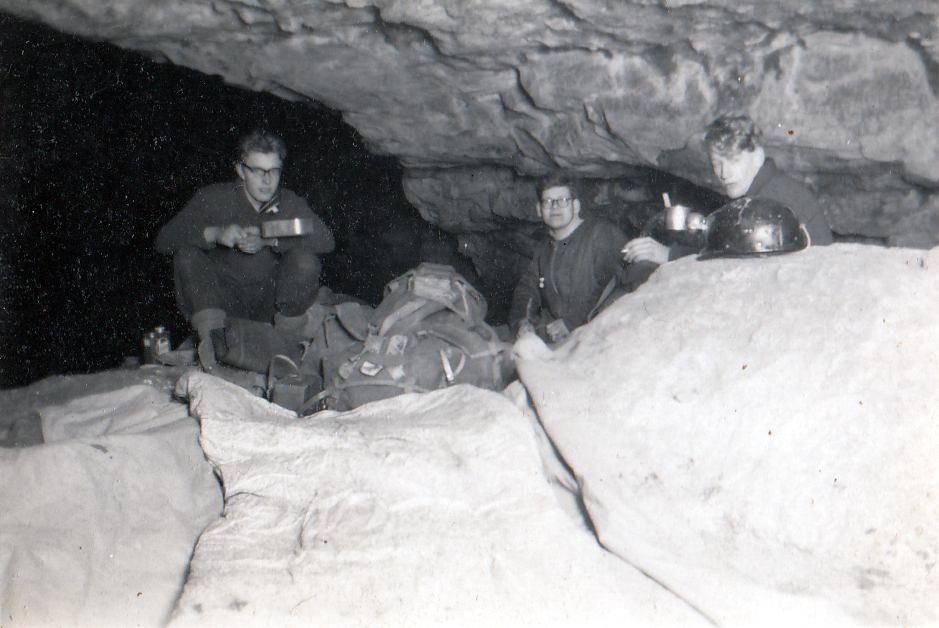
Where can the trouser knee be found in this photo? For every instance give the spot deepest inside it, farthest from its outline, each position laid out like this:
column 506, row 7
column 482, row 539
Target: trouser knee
column 298, row 280
column 299, row 264
column 188, row 260
column 195, row 281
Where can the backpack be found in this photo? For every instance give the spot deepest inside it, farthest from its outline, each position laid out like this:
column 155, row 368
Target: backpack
column 332, row 327
column 427, row 333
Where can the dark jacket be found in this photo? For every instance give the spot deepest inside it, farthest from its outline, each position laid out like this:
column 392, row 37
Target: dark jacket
column 772, row 183
column 224, row 204
column 566, row 277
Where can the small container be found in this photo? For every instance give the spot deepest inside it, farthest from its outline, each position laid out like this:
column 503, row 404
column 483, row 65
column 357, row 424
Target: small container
column 294, row 391
column 676, row 218
column 155, row 344
column 286, row 228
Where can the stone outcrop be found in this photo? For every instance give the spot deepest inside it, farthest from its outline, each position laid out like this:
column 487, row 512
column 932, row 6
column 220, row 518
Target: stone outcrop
column 476, row 98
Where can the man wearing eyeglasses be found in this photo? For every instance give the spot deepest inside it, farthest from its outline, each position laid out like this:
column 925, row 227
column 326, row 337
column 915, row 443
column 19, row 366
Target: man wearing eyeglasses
column 569, row 270
column 223, row 266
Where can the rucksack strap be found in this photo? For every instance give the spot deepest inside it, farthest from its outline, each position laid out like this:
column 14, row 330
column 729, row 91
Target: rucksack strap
column 352, row 317
column 335, row 391
column 408, row 315
column 281, row 366
column 423, row 291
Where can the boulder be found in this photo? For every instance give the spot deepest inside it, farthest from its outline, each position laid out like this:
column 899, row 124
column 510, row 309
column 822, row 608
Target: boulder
column 760, row 434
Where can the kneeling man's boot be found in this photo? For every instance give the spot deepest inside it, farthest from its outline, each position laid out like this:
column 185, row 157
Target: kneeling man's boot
column 305, row 326
column 291, row 326
column 205, row 322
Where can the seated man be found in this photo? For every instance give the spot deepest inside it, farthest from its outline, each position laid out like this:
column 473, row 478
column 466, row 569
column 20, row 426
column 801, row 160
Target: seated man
column 224, row 267
column 739, row 161
column 569, row 270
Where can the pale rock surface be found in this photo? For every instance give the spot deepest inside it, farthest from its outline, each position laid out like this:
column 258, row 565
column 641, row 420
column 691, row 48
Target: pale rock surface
column 97, row 524
column 760, row 435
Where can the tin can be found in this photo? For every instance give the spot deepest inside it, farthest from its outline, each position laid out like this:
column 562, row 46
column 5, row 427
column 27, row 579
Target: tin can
column 288, row 227
column 676, row 218
column 155, row 344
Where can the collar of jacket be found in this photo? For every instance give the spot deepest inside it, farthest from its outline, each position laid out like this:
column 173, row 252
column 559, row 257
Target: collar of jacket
column 766, row 172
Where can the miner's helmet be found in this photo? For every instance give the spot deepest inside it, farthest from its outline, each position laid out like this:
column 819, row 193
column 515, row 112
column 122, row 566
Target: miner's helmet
column 753, row 227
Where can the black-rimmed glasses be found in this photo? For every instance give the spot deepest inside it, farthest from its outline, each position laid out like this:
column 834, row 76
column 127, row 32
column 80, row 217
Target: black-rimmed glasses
column 260, row 172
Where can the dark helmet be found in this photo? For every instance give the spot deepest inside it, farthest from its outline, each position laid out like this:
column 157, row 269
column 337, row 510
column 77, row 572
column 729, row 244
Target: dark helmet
column 753, row 227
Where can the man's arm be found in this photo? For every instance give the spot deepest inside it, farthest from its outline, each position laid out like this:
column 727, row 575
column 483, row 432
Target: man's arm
column 192, row 226
column 797, row 197
column 645, row 249
column 321, row 240
column 608, row 256
column 643, row 256
column 814, row 219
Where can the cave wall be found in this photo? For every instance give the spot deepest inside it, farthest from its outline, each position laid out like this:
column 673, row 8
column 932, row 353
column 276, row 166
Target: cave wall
column 475, row 98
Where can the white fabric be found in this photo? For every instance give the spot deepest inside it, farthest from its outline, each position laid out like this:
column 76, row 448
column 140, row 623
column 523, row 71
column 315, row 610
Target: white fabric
column 133, row 410
column 421, row 510
column 96, row 528
column 761, row 435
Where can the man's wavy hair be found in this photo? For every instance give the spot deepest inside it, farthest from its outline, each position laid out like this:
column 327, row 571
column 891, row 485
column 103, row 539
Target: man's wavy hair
column 729, row 135
column 559, row 180
column 261, row 141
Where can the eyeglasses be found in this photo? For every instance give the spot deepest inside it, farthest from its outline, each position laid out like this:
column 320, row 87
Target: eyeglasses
column 563, row 203
column 260, row 172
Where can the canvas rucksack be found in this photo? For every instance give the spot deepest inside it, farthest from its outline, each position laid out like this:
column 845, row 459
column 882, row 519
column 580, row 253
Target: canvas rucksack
column 427, row 333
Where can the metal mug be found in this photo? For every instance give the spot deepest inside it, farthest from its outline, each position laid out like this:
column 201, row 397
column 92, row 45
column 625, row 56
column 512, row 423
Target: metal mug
column 676, row 217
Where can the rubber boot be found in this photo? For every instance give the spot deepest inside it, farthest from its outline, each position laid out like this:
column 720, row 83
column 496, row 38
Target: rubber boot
column 306, row 325
column 204, row 322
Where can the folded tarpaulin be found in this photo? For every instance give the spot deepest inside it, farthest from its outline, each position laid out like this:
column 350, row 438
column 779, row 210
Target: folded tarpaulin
column 420, row 510
column 97, row 525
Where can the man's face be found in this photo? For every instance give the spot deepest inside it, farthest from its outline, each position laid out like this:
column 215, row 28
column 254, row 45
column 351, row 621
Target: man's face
column 261, row 174
column 558, row 207
column 737, row 170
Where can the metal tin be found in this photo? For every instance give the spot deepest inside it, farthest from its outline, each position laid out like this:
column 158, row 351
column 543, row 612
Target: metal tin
column 155, row 343
column 284, row 228
column 676, row 218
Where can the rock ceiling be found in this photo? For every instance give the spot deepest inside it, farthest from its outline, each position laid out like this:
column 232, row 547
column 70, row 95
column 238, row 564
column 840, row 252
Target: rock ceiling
column 475, row 97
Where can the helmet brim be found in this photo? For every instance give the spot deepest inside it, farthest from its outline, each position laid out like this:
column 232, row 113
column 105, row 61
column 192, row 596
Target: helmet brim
column 737, row 254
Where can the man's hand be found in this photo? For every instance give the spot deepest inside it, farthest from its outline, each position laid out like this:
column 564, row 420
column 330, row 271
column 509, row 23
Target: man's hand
column 697, row 222
column 245, row 239
column 251, row 242
column 230, row 236
column 645, row 250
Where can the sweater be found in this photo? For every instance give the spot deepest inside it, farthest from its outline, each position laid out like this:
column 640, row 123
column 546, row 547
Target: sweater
column 224, row 204
column 566, row 277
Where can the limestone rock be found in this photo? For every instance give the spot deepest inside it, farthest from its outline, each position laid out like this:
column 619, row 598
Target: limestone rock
column 591, row 86
column 754, row 432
